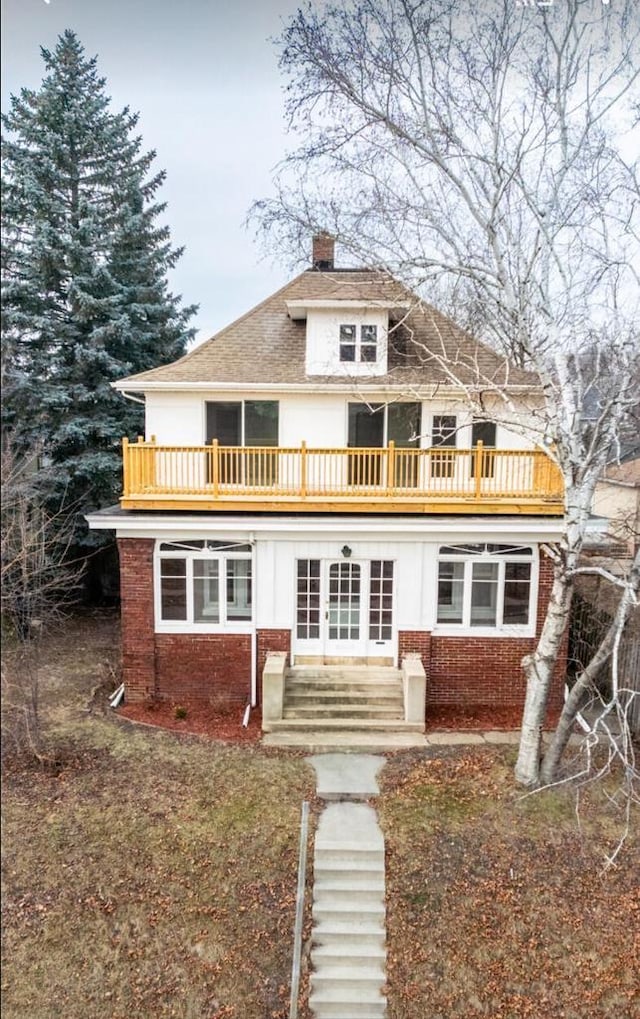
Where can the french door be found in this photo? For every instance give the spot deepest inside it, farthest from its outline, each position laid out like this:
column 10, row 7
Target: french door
column 344, row 608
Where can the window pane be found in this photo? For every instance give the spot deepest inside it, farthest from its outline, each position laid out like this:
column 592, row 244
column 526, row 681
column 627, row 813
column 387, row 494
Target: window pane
column 173, row 589
column 261, row 423
column 450, row 592
column 238, row 589
column 206, row 591
column 368, row 353
column 517, row 589
column 484, row 594
column 347, row 343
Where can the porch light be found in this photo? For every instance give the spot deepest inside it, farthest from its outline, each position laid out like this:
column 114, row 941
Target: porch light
column 346, row 551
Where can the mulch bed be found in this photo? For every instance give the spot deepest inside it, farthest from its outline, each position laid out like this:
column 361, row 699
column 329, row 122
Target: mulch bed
column 225, row 724
column 200, row 719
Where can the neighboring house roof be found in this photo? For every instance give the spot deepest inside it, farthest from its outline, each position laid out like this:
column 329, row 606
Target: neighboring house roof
column 627, row 473
column 267, row 345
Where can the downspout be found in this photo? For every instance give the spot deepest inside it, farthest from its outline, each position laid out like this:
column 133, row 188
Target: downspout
column 254, row 627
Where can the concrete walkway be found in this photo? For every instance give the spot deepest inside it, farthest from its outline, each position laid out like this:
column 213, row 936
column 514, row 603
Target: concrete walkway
column 381, row 742
column 348, row 952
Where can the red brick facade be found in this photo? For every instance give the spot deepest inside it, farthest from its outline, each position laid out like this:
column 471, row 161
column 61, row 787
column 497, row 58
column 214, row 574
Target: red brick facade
column 472, row 671
column 174, row 666
column 465, row 671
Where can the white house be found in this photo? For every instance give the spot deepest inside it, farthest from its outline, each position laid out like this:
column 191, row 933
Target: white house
column 312, row 483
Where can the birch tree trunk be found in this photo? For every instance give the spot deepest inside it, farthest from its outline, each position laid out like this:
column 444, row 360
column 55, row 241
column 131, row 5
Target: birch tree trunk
column 539, row 668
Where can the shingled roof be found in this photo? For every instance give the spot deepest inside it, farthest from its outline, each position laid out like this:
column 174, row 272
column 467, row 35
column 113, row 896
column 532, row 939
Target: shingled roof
column 267, row 345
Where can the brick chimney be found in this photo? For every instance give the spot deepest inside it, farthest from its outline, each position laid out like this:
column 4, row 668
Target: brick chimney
column 323, row 251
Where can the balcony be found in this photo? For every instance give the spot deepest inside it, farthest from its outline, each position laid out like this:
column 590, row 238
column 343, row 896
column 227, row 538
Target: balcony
column 377, row 480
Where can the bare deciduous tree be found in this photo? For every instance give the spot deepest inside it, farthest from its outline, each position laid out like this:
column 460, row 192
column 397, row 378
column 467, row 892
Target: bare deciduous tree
column 483, row 154
column 39, row 582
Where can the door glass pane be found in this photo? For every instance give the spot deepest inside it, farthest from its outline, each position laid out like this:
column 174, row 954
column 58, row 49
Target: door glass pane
column 261, row 422
column 366, row 429
column 223, row 423
column 206, row 592
column 238, row 589
column 484, row 594
column 173, row 589
column 403, row 427
column 485, row 432
column 344, row 601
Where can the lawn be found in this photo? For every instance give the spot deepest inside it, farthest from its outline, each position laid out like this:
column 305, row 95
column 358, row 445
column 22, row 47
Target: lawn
column 152, row 874
column 497, row 904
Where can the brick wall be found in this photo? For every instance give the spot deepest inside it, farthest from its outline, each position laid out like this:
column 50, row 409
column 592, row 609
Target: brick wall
column 138, row 638
column 212, row 666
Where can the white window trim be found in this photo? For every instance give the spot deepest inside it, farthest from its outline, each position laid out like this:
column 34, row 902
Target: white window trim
column 464, row 629
column 188, row 625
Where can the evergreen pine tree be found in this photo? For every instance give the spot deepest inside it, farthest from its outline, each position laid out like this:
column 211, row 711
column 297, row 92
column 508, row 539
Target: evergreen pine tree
column 84, row 280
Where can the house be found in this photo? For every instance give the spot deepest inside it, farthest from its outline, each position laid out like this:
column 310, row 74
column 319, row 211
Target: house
column 617, row 497
column 313, row 492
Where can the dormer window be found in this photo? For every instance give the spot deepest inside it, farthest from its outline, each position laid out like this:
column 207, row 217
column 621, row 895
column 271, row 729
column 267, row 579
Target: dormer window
column 359, row 346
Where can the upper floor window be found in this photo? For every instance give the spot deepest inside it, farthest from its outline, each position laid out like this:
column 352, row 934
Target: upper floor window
column 242, row 422
column 485, row 585
column 200, row 583
column 359, row 344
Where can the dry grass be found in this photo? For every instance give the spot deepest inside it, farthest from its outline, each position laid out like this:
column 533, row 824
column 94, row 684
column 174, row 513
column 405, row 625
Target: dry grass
column 496, row 907
column 144, row 874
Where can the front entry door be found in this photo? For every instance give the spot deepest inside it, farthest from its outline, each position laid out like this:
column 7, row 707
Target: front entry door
column 344, row 609
column 345, row 597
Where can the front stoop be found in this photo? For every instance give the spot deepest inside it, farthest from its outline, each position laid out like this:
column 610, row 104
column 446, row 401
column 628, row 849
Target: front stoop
column 343, row 699
column 348, row 951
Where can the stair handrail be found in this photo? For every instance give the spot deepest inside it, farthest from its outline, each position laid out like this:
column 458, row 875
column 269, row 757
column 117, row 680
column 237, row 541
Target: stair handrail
column 297, row 930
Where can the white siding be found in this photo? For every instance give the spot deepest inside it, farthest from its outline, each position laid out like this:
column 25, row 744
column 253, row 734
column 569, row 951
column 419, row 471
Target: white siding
column 323, row 341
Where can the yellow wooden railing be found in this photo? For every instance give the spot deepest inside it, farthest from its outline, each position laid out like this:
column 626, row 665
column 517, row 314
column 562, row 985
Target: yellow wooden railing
column 390, row 478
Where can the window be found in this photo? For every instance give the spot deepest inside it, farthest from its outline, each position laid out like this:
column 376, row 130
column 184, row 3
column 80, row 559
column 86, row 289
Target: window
column 203, row 584
column 485, row 585
column 443, row 433
column 359, row 345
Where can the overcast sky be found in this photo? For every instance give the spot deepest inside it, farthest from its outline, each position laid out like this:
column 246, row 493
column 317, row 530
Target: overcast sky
column 204, row 77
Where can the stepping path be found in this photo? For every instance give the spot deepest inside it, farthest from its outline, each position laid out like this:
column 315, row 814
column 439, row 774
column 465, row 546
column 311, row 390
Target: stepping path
column 348, row 952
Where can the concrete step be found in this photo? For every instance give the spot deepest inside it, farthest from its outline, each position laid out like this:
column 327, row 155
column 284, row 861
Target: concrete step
column 343, row 691
column 359, row 673
column 347, row 955
column 323, row 712
column 336, row 1003
column 347, row 723
column 356, row 881
column 348, row 935
column 330, row 909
